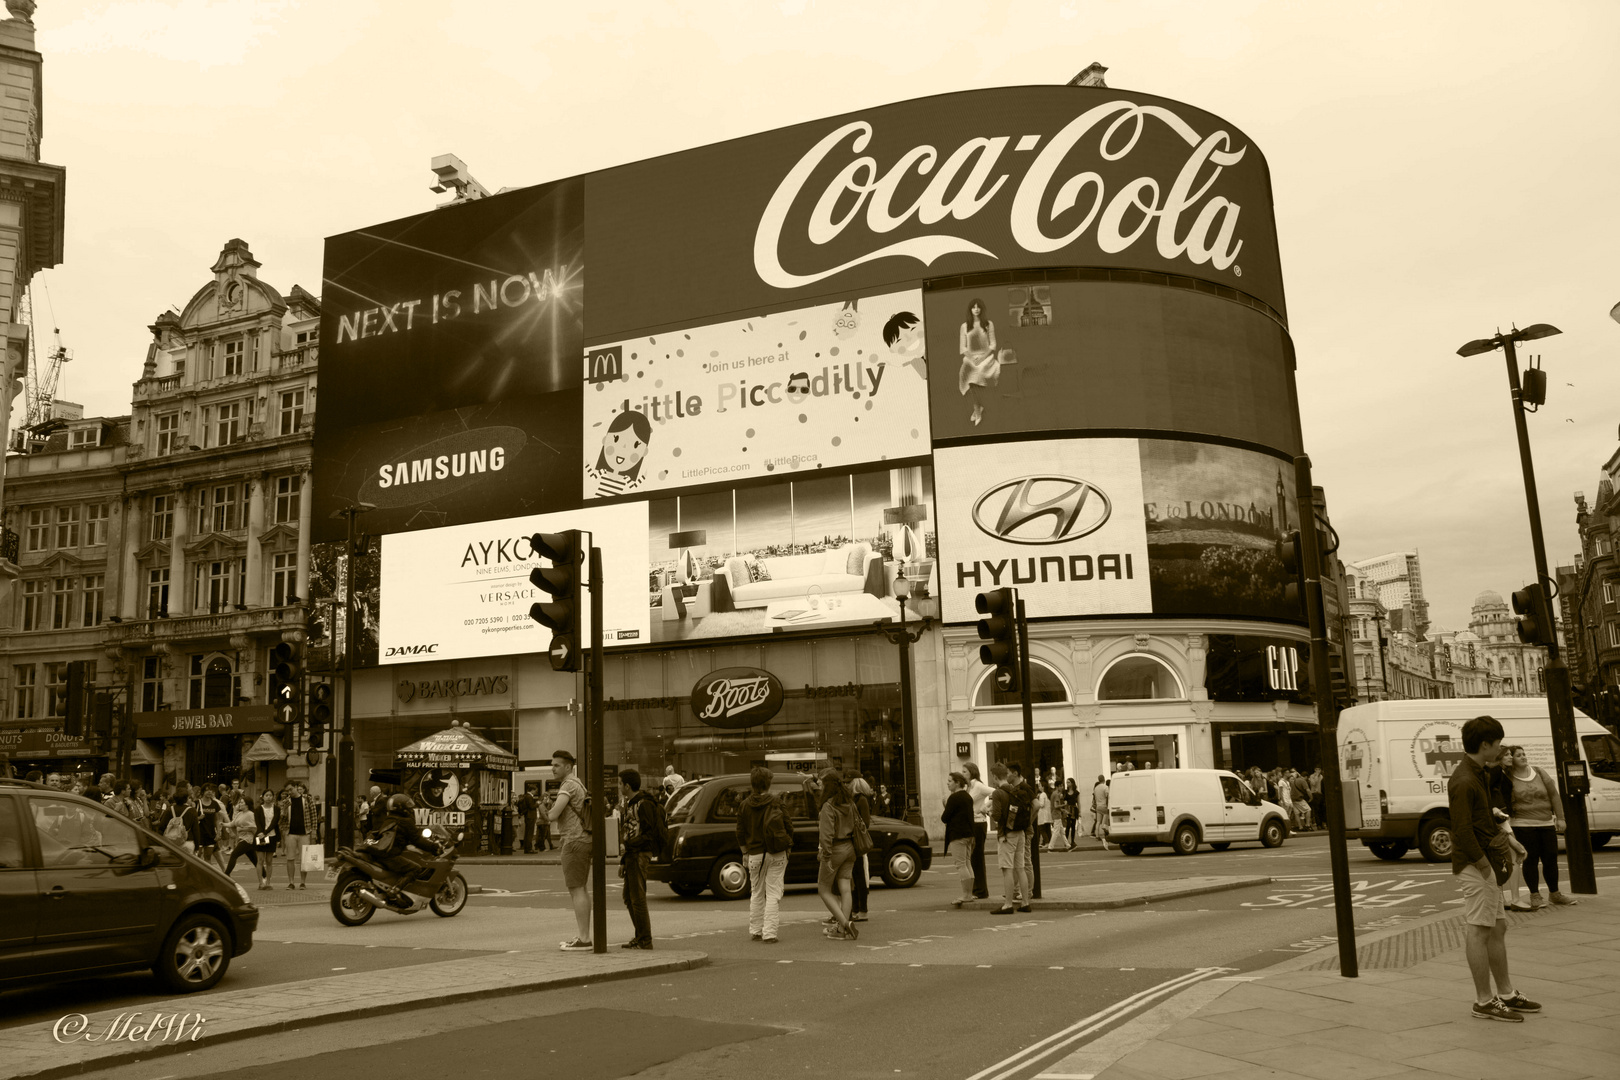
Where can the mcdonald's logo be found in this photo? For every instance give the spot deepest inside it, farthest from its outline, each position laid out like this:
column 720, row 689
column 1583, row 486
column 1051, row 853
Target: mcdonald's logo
column 604, row 365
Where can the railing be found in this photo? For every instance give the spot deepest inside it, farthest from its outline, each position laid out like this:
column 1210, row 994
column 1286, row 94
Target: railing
column 197, row 627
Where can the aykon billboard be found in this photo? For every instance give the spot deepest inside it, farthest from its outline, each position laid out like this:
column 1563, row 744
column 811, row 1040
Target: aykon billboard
column 1114, row 527
column 463, row 591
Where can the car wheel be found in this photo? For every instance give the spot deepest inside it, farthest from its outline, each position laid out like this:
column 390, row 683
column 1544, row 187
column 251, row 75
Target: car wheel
column 1271, row 833
column 1220, row 845
column 1599, row 839
column 348, row 906
column 1435, row 840
column 730, row 878
column 902, row 868
column 1185, row 840
column 451, row 897
column 686, row 890
column 195, row 955
column 1390, row 850
column 1131, row 849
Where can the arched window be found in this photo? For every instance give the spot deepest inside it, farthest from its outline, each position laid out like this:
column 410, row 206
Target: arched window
column 1139, row 677
column 1045, row 684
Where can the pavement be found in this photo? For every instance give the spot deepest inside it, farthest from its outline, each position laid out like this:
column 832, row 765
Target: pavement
column 82, row 1042
column 1406, row 1017
column 1117, row 894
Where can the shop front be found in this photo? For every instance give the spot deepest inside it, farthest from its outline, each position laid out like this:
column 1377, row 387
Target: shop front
column 52, row 753
column 217, row 746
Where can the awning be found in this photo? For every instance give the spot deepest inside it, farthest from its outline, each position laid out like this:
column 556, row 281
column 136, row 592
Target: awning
column 457, row 747
column 266, row 748
column 144, row 753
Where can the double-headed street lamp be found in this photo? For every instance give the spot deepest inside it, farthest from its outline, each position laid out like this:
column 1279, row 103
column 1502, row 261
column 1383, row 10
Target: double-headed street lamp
column 1572, row 778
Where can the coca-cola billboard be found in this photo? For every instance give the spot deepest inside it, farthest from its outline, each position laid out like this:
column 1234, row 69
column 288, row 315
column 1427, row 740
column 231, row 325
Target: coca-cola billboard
column 740, row 697
column 984, row 180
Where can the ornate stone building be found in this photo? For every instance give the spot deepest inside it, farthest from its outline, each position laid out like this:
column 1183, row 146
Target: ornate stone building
column 1506, row 657
column 170, row 547
column 32, row 197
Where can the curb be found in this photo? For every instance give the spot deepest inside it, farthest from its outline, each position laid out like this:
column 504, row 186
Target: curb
column 1135, row 900
column 104, row 1056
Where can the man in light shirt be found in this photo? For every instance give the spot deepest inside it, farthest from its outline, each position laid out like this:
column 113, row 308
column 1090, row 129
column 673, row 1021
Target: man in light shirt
column 979, row 792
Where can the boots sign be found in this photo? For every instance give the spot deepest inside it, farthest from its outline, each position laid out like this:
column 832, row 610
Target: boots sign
column 742, row 697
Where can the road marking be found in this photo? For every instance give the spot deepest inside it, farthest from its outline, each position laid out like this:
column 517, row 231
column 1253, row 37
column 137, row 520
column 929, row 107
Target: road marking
column 1062, row 1040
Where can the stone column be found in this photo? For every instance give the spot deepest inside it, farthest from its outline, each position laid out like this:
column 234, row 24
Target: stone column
column 177, row 553
column 305, row 498
column 255, row 526
column 124, row 537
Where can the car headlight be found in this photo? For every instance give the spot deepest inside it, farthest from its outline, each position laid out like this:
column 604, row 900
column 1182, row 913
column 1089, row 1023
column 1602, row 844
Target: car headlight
column 243, row 893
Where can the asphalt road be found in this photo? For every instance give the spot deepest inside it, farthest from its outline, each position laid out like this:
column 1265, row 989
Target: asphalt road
column 926, row 990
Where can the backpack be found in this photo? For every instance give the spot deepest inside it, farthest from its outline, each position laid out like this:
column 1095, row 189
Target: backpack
column 1019, row 801
column 778, row 835
column 582, row 810
column 176, row 828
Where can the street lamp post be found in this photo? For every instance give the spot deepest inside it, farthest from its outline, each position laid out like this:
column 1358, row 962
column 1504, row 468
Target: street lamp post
column 345, row 790
column 1560, row 709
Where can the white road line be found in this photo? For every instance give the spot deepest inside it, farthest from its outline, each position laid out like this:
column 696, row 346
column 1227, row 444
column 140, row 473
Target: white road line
column 1081, row 1028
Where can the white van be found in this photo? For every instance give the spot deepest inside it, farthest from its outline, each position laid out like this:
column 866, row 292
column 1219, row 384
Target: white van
column 1186, row 807
column 1395, row 758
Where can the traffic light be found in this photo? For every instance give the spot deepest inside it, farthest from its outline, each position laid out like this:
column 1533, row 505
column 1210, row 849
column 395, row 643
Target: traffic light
column 73, row 723
column 1535, row 624
column 286, row 669
column 561, row 582
column 999, row 629
column 1293, row 561
column 320, row 713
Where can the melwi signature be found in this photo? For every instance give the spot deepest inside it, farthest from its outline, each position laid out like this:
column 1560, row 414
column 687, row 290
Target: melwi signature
column 1185, row 214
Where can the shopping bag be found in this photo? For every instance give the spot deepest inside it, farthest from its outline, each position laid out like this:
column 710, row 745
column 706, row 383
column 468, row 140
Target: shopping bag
column 314, row 859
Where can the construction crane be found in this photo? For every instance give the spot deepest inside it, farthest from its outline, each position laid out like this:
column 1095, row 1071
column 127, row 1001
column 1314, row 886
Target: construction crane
column 41, row 379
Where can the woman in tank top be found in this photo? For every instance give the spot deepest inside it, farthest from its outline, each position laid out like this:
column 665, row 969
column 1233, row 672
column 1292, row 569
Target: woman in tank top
column 1537, row 821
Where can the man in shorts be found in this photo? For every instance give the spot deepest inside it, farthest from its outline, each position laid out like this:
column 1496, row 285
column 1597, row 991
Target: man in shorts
column 1474, row 830
column 568, row 812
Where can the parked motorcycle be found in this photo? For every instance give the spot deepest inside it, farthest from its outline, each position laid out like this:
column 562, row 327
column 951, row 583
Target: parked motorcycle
column 366, row 883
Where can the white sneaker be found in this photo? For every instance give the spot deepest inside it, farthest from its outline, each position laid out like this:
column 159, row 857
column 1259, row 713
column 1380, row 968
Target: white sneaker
column 576, row 946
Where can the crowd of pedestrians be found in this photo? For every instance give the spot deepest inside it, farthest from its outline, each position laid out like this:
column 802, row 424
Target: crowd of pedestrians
column 221, row 823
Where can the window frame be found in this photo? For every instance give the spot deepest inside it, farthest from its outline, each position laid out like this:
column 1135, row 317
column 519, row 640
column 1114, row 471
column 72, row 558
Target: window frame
column 162, row 512
column 1136, row 654
column 39, row 529
column 292, row 412
column 289, row 494
column 167, row 431
column 24, row 682
column 1034, row 662
column 96, row 517
column 67, row 527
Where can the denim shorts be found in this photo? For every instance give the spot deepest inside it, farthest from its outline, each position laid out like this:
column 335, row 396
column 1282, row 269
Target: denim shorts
column 841, row 864
column 576, row 864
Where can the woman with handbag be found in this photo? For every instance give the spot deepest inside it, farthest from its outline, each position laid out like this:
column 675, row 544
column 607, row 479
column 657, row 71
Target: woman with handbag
column 1537, row 821
column 836, row 854
column 267, row 821
column 861, row 873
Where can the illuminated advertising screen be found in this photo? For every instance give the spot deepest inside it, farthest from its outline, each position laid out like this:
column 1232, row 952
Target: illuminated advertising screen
column 449, row 364
column 1105, row 526
column 836, row 384
column 1063, row 355
column 814, row 552
column 464, row 590
column 1001, row 179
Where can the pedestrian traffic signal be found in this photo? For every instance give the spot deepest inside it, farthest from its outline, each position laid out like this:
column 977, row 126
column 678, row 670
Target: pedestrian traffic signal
column 1535, row 625
column 561, row 582
column 286, row 669
column 999, row 630
column 1293, row 561
column 320, row 713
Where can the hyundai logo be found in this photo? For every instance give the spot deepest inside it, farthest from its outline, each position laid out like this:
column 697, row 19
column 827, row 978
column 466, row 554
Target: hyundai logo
column 1041, row 510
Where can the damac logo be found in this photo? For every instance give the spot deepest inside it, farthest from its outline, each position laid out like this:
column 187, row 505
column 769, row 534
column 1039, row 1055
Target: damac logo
column 1186, row 219
column 1041, row 510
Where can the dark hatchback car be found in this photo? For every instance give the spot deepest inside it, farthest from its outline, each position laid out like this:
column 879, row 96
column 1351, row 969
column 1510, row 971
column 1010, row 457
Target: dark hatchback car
column 703, row 852
column 87, row 892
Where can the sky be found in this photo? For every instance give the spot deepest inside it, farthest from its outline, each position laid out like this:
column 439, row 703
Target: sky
column 1441, row 170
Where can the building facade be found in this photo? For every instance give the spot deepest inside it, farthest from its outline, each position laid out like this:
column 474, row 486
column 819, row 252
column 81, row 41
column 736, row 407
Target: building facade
column 1503, row 655
column 169, row 548
column 32, row 200
column 1590, row 599
column 1397, row 579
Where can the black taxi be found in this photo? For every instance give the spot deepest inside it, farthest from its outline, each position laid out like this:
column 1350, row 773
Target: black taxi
column 87, row 892
column 702, row 852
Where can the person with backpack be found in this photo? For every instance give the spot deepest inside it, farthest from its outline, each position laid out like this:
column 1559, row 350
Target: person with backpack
column 766, row 836
column 179, row 822
column 641, row 834
column 571, row 811
column 1010, row 811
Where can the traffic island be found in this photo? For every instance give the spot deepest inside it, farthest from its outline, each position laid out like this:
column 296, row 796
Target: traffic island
column 1118, row 894
column 82, row 1042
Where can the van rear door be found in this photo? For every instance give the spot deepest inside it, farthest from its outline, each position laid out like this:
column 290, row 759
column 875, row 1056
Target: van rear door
column 1132, row 802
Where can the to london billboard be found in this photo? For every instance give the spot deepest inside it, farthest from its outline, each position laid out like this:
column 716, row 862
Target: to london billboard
column 1109, row 526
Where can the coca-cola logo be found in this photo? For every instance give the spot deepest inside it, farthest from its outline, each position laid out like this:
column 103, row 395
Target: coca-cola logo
column 739, row 697
column 1074, row 189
